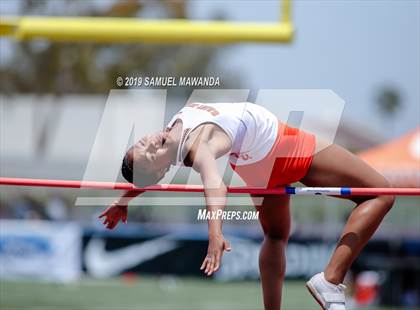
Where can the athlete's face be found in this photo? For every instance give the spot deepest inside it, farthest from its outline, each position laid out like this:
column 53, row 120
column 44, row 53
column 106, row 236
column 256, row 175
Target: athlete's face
column 151, row 154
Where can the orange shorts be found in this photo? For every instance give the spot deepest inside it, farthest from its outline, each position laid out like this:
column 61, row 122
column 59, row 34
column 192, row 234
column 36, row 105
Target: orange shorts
column 288, row 160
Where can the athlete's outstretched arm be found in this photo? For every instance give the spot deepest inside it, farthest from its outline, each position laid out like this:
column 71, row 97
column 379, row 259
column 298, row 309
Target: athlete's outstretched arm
column 118, row 210
column 215, row 194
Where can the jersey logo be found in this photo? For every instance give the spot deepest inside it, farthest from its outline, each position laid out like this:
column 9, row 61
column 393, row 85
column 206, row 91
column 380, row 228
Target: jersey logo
column 243, row 156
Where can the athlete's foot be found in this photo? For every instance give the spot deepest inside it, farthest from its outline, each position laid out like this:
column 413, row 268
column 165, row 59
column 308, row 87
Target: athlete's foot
column 328, row 295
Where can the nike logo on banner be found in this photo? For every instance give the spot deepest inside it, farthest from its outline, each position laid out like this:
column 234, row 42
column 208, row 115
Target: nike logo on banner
column 101, row 263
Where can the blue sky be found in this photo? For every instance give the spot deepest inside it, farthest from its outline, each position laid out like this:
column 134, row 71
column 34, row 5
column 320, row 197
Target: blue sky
column 351, row 47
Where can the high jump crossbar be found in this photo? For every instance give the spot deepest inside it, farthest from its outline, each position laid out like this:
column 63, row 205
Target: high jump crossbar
column 131, row 30
column 333, row 191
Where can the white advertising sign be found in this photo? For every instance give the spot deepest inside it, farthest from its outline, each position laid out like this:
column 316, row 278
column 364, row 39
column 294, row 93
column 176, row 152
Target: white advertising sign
column 39, row 249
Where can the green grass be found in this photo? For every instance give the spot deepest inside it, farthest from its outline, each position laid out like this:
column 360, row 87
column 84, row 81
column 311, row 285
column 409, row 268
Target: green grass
column 147, row 293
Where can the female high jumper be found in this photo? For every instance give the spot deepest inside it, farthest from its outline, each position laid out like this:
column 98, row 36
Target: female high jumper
column 264, row 152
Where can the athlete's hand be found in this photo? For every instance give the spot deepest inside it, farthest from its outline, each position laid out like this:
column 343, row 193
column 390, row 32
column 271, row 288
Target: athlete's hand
column 113, row 214
column 217, row 245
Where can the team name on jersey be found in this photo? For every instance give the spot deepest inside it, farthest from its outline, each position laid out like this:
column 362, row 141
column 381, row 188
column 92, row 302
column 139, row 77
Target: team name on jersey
column 203, row 107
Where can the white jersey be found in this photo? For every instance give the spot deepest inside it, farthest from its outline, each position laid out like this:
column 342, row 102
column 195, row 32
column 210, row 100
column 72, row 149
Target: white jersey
column 251, row 128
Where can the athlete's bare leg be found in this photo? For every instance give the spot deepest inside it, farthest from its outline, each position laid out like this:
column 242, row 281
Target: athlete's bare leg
column 274, row 215
column 335, row 166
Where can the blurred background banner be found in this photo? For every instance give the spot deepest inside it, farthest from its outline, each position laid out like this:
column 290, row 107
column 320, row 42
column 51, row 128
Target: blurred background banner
column 157, row 250
column 40, row 250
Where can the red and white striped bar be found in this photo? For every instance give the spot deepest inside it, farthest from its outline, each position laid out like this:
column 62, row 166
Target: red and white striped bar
column 331, row 191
